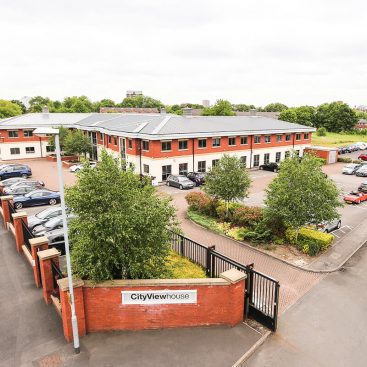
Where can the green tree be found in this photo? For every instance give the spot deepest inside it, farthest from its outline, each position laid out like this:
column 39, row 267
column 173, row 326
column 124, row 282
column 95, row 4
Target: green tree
column 243, row 107
column 141, row 102
column 77, row 143
column 301, row 194
column 227, row 180
column 303, row 115
column 37, row 103
column 20, row 104
column 9, row 109
column 121, row 229
column 289, row 115
column 63, row 133
column 221, row 108
column 78, row 104
column 335, row 117
column 275, row 107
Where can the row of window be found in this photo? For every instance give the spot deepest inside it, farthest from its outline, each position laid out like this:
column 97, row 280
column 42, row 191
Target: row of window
column 15, row 133
column 30, row 150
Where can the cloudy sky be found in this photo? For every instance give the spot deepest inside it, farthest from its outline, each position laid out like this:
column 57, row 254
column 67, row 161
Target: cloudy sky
column 246, row 51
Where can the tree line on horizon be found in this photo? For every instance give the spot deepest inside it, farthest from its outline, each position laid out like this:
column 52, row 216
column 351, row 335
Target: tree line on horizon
column 334, row 117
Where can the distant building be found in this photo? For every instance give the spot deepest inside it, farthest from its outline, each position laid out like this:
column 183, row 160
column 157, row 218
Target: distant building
column 206, row 103
column 133, row 93
column 361, row 108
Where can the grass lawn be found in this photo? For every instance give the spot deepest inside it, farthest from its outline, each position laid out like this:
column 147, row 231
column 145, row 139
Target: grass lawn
column 337, row 139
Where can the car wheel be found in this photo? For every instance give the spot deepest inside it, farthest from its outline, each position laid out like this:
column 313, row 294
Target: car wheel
column 275, row 170
column 339, row 224
column 167, row 183
column 260, row 168
column 18, row 205
column 24, row 175
column 181, row 187
column 77, row 170
column 52, row 201
column 326, row 231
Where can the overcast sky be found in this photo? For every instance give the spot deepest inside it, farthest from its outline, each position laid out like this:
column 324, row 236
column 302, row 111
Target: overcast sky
column 246, row 51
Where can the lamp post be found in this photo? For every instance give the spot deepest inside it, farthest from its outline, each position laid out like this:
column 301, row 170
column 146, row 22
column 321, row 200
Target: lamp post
column 55, row 132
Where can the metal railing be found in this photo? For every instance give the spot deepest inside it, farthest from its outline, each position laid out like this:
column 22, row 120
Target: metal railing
column 27, row 235
column 11, row 211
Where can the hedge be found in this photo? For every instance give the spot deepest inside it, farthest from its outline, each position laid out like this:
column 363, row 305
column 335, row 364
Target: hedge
column 345, row 159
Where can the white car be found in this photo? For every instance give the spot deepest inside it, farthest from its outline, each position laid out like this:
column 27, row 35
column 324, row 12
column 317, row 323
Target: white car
column 350, row 169
column 361, row 145
column 79, row 166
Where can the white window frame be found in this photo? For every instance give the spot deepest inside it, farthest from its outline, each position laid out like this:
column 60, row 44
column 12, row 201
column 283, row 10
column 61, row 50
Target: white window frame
column 257, row 136
column 232, row 137
column 187, row 144
column 244, row 137
column 215, row 140
column 166, row 141
column 266, row 138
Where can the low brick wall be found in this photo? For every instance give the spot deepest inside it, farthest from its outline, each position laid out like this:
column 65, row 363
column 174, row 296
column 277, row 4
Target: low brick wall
column 220, row 301
column 53, row 158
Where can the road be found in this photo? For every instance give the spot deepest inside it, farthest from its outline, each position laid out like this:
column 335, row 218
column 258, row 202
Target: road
column 327, row 327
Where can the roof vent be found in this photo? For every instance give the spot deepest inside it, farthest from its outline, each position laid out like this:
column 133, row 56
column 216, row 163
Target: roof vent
column 45, row 109
column 253, row 112
column 187, row 111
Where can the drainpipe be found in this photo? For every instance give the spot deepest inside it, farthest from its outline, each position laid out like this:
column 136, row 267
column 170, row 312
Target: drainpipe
column 140, row 157
column 193, row 154
column 41, row 146
column 252, row 138
column 294, row 135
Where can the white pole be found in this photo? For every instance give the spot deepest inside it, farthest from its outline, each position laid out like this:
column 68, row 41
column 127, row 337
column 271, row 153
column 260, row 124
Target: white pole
column 74, row 322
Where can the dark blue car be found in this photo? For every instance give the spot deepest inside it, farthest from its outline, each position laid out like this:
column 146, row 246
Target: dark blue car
column 37, row 197
column 15, row 170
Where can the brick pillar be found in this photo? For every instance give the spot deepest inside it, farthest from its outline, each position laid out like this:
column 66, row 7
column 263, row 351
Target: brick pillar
column 66, row 307
column 5, row 209
column 45, row 258
column 37, row 244
column 1, row 188
column 18, row 229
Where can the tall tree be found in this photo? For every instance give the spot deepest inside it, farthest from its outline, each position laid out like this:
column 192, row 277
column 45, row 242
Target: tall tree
column 275, row 107
column 301, row 194
column 63, row 133
column 303, row 115
column 37, row 103
column 9, row 109
column 221, row 108
column 77, row 143
column 335, row 117
column 228, row 180
column 141, row 102
column 121, row 230
column 20, row 104
column 243, row 107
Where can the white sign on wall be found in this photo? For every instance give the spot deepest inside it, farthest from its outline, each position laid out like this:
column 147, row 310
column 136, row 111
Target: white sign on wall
column 158, row 297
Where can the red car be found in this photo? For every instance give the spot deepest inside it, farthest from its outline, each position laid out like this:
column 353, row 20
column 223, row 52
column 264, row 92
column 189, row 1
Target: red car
column 363, row 157
column 355, row 197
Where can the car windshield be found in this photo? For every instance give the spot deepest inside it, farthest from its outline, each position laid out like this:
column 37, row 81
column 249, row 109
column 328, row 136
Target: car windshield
column 52, row 222
column 183, row 179
column 352, row 165
column 44, row 213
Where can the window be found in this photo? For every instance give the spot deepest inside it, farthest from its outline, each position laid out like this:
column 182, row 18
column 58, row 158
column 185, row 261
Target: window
column 202, row 143
column 29, row 150
column 183, row 169
column 109, row 139
column 244, row 161
column 145, row 145
column 298, row 136
column 278, row 156
column 215, row 162
column 50, row 149
column 182, row 145
column 166, row 146
column 287, row 154
column 256, row 160
column 14, row 150
column 305, row 136
column 231, row 141
column 202, row 166
column 166, row 171
column 28, row 133
column 257, row 139
column 130, row 143
column 288, row 137
column 115, row 141
column 13, row 134
column 146, row 168
column 267, row 138
column 266, row 158
column 279, row 138
column 244, row 140
column 216, row 142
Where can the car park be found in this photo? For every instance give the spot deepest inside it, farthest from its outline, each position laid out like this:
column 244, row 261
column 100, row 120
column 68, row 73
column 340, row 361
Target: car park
column 179, row 181
column 362, row 171
column 16, row 170
column 363, row 157
column 363, row 187
column 272, row 166
column 197, row 177
column 330, row 226
column 79, row 166
column 350, row 169
column 37, row 197
column 43, row 216
column 355, row 197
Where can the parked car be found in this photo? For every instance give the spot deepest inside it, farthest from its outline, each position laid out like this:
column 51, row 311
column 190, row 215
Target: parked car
column 328, row 227
column 361, row 145
column 353, row 148
column 182, row 182
column 50, row 225
column 43, row 216
column 344, row 150
column 362, row 171
column 37, row 197
column 79, row 166
column 33, row 184
column 355, row 197
column 197, row 177
column 363, row 187
column 363, row 157
column 12, row 181
column 56, row 239
column 350, row 169
column 272, row 166
column 18, row 190
column 16, row 170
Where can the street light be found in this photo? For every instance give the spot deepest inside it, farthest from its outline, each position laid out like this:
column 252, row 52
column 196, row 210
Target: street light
column 46, row 131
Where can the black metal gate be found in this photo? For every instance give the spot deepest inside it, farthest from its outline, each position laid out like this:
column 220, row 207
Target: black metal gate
column 261, row 293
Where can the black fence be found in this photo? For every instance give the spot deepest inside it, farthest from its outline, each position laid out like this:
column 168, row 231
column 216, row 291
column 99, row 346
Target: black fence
column 11, row 211
column 27, row 235
column 261, row 293
column 56, row 274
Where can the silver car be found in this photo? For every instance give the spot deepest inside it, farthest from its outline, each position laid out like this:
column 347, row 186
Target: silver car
column 179, row 181
column 328, row 227
column 350, row 169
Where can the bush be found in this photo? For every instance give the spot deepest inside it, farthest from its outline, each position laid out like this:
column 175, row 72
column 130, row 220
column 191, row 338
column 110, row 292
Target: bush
column 345, row 159
column 201, row 202
column 321, row 131
column 221, row 210
column 179, row 267
column 309, row 241
column 238, row 233
column 247, row 216
column 357, row 161
column 260, row 234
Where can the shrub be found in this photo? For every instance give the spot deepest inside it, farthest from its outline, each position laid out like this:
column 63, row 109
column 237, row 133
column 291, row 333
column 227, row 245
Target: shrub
column 221, row 210
column 345, row 159
column 224, row 227
column 321, row 131
column 201, row 202
column 357, row 161
column 247, row 216
column 260, row 234
column 179, row 267
column 238, row 233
